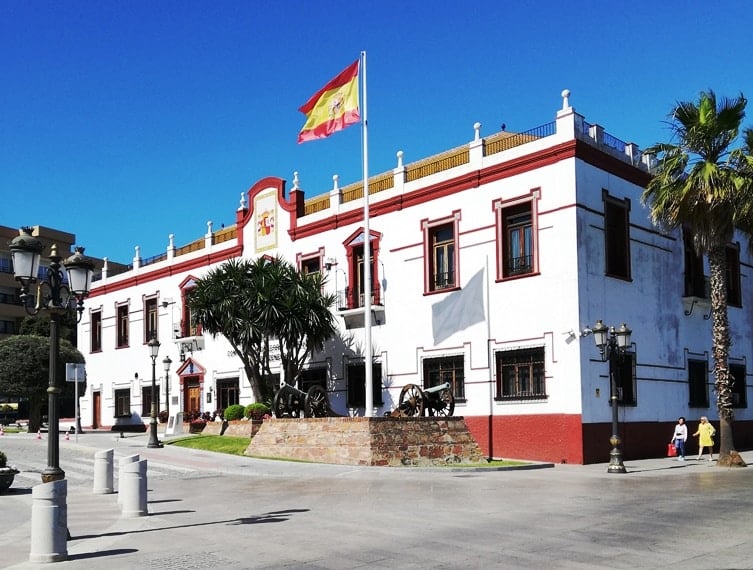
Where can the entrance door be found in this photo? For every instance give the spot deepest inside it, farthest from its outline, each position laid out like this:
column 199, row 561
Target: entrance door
column 96, row 410
column 192, row 395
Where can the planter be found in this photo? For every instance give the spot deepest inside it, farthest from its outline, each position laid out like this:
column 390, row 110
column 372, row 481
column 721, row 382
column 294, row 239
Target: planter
column 6, row 478
column 196, row 426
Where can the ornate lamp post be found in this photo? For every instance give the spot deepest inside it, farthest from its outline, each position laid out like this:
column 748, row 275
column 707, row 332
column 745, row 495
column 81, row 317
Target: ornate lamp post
column 612, row 344
column 153, row 352
column 56, row 296
column 166, row 362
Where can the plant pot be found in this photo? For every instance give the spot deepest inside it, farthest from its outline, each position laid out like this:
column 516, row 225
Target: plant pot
column 196, row 427
column 6, row 478
column 256, row 426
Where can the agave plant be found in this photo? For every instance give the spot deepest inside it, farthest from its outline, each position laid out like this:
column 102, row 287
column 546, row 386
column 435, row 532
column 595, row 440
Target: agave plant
column 6, row 473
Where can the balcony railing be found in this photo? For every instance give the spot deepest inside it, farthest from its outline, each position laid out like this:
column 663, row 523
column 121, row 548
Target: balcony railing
column 520, row 265
column 504, row 141
column 444, row 280
column 348, row 299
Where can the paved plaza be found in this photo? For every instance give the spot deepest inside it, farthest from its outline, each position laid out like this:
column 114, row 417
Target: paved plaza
column 216, row 511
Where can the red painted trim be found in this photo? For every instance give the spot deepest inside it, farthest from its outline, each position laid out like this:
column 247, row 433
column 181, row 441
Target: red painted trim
column 198, row 369
column 353, row 286
column 611, row 164
column 552, row 155
column 407, row 246
column 188, row 278
column 143, row 278
column 498, row 207
column 556, row 438
column 561, row 438
column 427, row 226
column 295, row 204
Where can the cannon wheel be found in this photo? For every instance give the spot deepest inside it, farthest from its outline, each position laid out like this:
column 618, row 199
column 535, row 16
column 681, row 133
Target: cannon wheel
column 279, row 407
column 316, row 404
column 444, row 403
column 411, row 401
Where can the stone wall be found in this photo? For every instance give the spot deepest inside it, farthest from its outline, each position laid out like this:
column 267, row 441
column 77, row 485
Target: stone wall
column 241, row 428
column 380, row 441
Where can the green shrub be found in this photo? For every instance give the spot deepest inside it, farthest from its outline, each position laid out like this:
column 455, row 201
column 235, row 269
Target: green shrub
column 256, row 411
column 234, row 412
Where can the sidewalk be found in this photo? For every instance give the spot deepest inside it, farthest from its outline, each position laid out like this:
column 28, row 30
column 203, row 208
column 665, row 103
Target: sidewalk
column 229, row 464
column 210, row 510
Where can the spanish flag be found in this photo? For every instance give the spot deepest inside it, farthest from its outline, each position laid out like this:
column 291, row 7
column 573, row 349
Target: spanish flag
column 333, row 107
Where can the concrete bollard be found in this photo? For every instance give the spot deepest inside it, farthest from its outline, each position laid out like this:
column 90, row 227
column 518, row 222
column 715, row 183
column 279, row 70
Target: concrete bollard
column 133, row 488
column 49, row 522
column 103, row 472
column 121, row 465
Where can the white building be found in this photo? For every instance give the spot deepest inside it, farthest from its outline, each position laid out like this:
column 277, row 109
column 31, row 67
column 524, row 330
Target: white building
column 489, row 260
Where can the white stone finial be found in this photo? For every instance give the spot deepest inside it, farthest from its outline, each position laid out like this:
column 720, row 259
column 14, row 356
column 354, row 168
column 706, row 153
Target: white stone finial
column 242, row 205
column 400, row 155
column 209, row 227
column 476, row 131
column 296, row 181
column 565, row 99
column 335, row 180
column 171, row 240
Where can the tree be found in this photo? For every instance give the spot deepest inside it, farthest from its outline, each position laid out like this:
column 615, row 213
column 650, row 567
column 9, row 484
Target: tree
column 702, row 183
column 251, row 303
column 39, row 325
column 25, row 370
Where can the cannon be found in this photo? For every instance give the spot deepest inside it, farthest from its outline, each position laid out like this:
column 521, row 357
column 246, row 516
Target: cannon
column 437, row 401
column 294, row 403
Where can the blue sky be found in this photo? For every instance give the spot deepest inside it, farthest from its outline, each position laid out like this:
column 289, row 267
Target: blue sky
column 125, row 121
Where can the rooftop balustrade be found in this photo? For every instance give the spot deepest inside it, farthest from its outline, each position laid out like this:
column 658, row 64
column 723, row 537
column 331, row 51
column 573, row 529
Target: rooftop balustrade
column 403, row 178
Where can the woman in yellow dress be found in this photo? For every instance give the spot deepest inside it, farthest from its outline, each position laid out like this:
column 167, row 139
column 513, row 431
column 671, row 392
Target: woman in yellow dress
column 705, row 433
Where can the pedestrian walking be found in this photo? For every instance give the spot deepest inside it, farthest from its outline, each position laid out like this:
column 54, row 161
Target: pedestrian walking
column 705, row 433
column 679, row 437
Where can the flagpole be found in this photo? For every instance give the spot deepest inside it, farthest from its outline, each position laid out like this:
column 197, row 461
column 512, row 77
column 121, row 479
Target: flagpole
column 369, row 411
column 489, row 362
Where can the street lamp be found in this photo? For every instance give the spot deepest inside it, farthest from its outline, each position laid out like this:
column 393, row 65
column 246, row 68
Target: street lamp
column 56, row 296
column 166, row 362
column 612, row 344
column 153, row 352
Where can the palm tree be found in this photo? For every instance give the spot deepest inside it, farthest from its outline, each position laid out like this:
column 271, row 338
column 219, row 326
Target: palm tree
column 700, row 182
column 301, row 319
column 251, row 303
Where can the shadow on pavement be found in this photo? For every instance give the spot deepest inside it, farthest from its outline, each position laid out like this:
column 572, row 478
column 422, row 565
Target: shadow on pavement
column 101, row 553
column 273, row 517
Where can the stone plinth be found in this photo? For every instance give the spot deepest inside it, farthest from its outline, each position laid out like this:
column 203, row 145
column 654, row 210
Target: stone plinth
column 241, row 428
column 382, row 441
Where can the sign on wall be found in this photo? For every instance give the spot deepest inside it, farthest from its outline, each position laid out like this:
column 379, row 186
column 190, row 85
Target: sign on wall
column 265, row 220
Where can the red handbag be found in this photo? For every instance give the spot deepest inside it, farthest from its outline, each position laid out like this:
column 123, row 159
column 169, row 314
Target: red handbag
column 671, row 450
